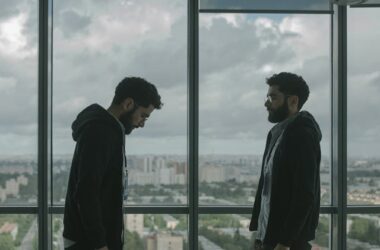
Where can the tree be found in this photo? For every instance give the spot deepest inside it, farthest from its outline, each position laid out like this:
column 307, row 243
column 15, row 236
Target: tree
column 133, row 241
column 6, row 242
column 322, row 233
column 56, row 226
column 364, row 230
column 226, row 241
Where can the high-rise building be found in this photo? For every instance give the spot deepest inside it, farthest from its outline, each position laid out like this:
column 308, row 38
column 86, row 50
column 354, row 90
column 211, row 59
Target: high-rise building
column 211, row 173
column 135, row 223
column 164, row 241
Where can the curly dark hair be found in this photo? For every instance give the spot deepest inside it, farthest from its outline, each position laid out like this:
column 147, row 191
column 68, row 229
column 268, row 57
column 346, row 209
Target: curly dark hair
column 290, row 84
column 140, row 90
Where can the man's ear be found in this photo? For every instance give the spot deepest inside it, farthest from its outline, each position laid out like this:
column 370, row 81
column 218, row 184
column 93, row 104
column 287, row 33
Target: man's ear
column 128, row 104
column 293, row 101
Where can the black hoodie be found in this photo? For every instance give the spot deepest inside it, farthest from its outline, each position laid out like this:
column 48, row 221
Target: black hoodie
column 295, row 197
column 93, row 210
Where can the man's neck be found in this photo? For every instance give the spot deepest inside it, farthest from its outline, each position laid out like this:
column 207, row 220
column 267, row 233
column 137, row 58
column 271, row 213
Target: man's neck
column 114, row 110
column 291, row 114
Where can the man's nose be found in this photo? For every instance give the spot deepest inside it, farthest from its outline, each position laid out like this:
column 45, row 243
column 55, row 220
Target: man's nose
column 142, row 124
column 266, row 103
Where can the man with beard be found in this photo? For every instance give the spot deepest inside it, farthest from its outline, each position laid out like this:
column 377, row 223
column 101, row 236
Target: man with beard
column 93, row 217
column 286, row 209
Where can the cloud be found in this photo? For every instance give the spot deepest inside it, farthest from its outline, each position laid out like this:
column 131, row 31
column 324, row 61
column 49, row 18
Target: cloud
column 73, row 22
column 12, row 40
column 363, row 82
column 10, row 8
column 18, row 81
column 246, row 56
column 96, row 45
column 7, row 83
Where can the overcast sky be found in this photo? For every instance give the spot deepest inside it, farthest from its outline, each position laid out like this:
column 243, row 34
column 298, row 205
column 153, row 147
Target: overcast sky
column 97, row 43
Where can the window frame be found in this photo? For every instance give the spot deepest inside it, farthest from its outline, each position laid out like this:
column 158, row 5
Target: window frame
column 338, row 210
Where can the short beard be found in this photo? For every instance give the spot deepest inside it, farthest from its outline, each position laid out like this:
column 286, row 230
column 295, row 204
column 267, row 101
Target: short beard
column 126, row 120
column 280, row 114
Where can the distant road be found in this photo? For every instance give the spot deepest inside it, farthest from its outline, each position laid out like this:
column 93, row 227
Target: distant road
column 27, row 242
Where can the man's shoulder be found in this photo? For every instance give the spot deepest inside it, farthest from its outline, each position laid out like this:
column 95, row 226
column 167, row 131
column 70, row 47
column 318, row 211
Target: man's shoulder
column 101, row 129
column 297, row 129
column 300, row 135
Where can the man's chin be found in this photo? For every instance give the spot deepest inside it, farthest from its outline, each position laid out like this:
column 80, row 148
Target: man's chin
column 128, row 131
column 271, row 119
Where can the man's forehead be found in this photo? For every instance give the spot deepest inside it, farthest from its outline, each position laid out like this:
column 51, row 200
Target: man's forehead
column 273, row 90
column 148, row 109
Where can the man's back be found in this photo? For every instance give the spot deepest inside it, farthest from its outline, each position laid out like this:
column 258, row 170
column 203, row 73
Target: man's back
column 93, row 208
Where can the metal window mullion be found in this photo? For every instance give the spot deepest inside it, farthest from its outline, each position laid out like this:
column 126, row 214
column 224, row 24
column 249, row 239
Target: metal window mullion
column 156, row 209
column 267, row 11
column 363, row 209
column 339, row 118
column 247, row 210
column 19, row 210
column 43, row 125
column 167, row 209
column 193, row 117
column 137, row 209
column 343, row 117
column 373, row 5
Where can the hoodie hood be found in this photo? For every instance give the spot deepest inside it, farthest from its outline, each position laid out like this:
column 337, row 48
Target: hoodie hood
column 93, row 113
column 306, row 120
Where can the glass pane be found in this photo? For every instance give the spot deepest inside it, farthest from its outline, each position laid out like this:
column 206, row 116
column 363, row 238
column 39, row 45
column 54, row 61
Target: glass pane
column 144, row 232
column 237, row 54
column 97, row 44
column 363, row 138
column 18, row 101
column 18, row 231
column 230, row 232
column 363, row 232
column 264, row 5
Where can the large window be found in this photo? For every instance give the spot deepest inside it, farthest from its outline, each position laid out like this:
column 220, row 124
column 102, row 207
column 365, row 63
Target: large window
column 18, row 98
column 194, row 168
column 363, row 142
column 18, row 126
column 95, row 47
column 363, row 158
column 237, row 53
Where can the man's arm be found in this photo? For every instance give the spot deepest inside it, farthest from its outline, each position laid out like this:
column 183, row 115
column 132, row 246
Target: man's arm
column 257, row 204
column 304, row 156
column 93, row 158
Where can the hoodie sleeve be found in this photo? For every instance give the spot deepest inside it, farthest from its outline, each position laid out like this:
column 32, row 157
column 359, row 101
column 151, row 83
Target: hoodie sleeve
column 304, row 157
column 94, row 146
column 257, row 204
